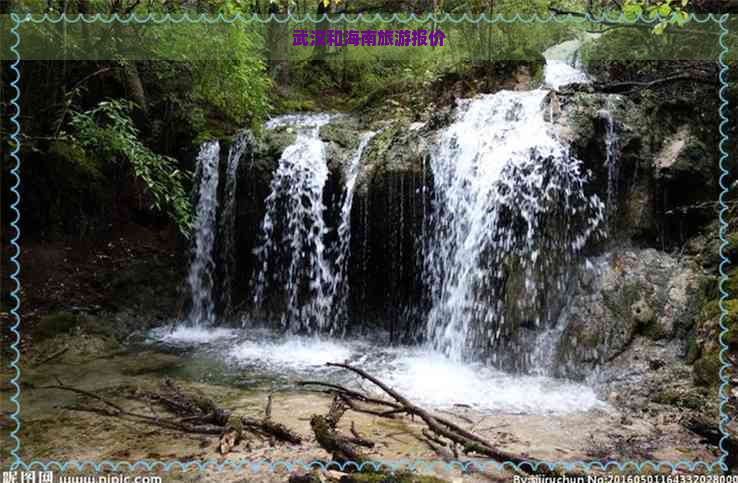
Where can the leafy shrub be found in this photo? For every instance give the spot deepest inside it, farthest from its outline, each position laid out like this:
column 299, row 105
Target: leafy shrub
column 108, row 131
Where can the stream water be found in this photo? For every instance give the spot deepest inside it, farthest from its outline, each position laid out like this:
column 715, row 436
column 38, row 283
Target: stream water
column 259, row 359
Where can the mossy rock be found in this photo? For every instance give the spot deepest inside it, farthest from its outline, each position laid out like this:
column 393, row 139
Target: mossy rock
column 76, row 156
column 339, row 133
column 680, row 399
column 711, row 311
column 54, row 324
column 297, row 105
column 275, row 141
column 706, row 370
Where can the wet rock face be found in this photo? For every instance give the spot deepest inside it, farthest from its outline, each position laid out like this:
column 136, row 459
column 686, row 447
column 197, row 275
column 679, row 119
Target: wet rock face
column 623, row 295
column 254, row 177
column 387, row 214
column 656, row 172
column 387, row 223
column 661, row 173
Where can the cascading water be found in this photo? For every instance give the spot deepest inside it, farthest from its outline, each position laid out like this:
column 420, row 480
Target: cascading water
column 292, row 254
column 505, row 216
column 563, row 65
column 200, row 277
column 228, row 217
column 509, row 215
column 340, row 284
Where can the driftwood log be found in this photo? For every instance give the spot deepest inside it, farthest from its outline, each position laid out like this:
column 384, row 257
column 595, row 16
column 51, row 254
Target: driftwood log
column 341, row 448
column 469, row 442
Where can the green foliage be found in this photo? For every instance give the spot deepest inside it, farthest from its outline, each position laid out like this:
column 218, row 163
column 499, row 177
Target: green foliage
column 238, row 87
column 667, row 11
column 109, row 131
column 234, row 81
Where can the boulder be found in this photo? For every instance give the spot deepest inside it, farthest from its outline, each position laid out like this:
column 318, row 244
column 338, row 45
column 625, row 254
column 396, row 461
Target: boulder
column 627, row 293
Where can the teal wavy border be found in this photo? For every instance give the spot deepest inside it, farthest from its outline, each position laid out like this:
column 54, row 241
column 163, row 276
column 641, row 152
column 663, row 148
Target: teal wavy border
column 361, row 17
column 15, row 224
column 257, row 466
column 724, row 261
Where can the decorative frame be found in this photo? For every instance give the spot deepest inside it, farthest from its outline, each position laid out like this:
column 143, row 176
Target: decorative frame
column 260, row 465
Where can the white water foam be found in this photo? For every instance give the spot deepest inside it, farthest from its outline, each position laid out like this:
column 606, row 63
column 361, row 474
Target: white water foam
column 426, row 377
column 296, row 352
column 438, row 382
column 192, row 335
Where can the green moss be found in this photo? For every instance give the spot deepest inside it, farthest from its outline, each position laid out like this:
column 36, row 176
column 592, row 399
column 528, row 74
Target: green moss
column 709, row 285
column 339, row 134
column 297, row 105
column 381, row 142
column 711, row 310
column 681, row 399
column 706, row 369
column 275, row 141
column 620, row 303
column 53, row 324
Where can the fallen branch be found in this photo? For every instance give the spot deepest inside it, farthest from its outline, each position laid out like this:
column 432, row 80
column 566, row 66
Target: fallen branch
column 360, row 409
column 335, row 388
column 120, row 412
column 470, row 442
column 359, row 439
column 340, row 448
column 229, row 439
column 440, row 450
column 270, row 428
column 141, row 418
column 194, row 419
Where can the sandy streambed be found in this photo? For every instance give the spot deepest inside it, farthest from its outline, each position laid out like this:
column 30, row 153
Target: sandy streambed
column 52, row 430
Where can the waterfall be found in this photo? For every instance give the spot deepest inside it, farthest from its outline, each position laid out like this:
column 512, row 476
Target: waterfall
column 509, row 214
column 200, row 277
column 340, row 282
column 292, row 256
column 228, row 216
column 563, row 65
